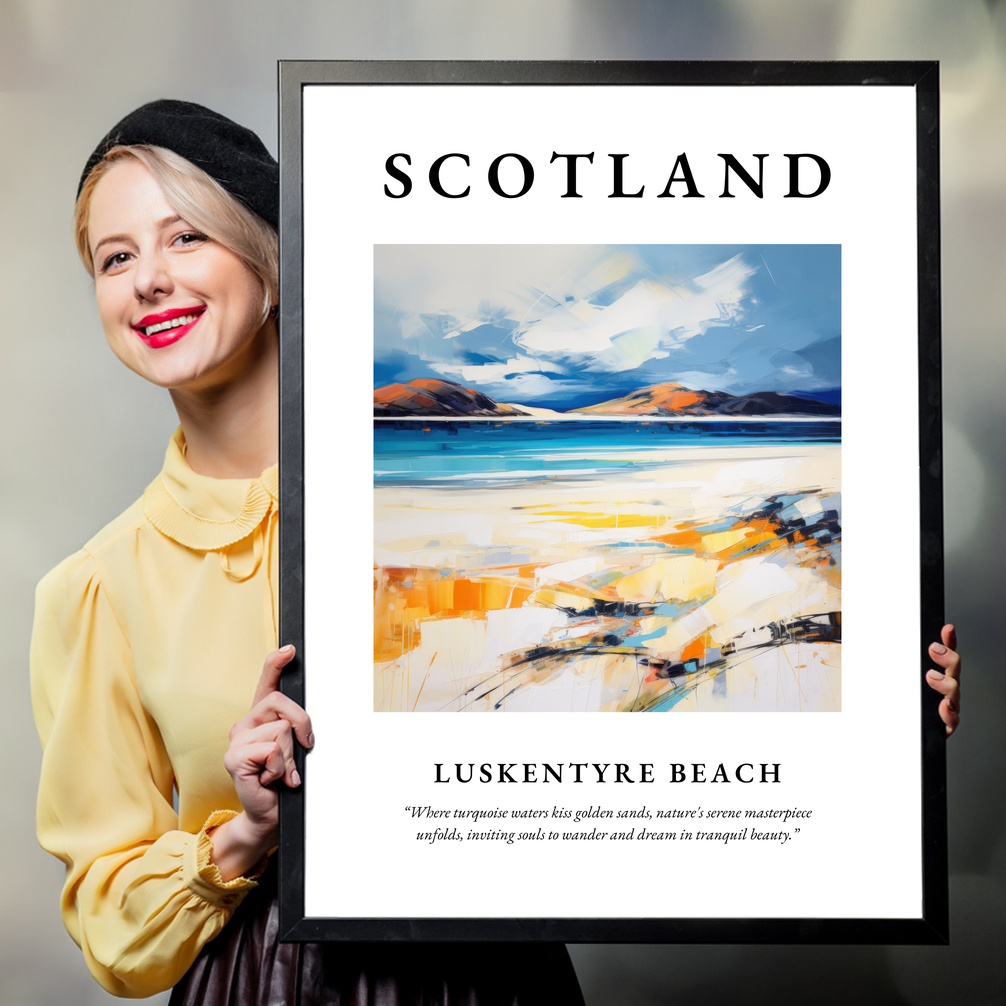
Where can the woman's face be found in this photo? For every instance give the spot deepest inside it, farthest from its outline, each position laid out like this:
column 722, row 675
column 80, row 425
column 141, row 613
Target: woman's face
column 177, row 308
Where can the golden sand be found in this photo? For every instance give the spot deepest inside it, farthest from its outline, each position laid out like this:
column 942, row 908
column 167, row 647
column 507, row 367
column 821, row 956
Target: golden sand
column 682, row 588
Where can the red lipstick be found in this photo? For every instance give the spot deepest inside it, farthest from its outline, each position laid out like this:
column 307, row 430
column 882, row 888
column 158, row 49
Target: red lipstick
column 165, row 333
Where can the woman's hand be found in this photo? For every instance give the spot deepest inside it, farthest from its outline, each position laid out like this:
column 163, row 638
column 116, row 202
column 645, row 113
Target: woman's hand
column 260, row 753
column 947, row 682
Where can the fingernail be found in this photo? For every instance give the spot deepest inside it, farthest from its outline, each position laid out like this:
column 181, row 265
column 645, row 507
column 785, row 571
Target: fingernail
column 287, row 649
column 295, row 777
column 938, row 648
column 310, row 740
column 936, row 675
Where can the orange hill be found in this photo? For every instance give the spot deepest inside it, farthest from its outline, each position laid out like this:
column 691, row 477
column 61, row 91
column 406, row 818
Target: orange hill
column 430, row 397
column 676, row 400
column 662, row 400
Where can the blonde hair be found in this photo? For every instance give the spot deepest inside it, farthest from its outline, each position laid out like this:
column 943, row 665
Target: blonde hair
column 199, row 200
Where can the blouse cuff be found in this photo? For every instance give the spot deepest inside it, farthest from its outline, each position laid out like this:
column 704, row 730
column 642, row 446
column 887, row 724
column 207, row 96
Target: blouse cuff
column 202, row 876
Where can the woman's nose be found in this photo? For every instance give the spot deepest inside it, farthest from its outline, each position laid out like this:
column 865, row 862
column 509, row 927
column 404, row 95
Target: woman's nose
column 152, row 277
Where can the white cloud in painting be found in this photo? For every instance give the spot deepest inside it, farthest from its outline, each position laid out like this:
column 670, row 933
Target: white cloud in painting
column 644, row 323
column 584, row 328
column 487, row 373
column 549, row 294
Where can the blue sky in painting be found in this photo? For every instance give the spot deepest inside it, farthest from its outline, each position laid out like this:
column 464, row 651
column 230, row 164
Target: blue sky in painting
column 563, row 326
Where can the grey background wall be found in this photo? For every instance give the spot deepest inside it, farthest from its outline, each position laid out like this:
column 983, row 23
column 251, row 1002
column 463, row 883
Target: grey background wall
column 81, row 436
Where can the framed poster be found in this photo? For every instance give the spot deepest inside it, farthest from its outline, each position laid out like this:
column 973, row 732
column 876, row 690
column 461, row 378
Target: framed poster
column 610, row 417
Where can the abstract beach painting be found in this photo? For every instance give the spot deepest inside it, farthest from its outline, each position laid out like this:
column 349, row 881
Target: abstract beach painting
column 607, row 478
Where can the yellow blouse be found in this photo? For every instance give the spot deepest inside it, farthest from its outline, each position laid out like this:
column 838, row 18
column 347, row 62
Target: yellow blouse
column 147, row 647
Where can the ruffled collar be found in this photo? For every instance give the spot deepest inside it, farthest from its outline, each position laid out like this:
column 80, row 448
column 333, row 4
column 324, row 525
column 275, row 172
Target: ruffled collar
column 203, row 513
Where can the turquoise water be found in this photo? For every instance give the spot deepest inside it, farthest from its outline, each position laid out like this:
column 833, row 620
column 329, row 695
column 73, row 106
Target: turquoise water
column 411, row 452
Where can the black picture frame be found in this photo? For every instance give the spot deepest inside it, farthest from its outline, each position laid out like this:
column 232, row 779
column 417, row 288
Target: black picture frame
column 932, row 926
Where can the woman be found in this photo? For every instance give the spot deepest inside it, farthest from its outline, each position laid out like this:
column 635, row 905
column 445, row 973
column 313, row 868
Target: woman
column 148, row 643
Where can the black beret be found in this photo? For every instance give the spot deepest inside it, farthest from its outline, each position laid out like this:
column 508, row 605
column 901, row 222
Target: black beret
column 230, row 154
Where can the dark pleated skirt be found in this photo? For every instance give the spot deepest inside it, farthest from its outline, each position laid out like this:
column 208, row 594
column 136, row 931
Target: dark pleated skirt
column 246, row 965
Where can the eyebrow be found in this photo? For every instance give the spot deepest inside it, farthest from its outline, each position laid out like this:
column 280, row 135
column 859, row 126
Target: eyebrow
column 111, row 238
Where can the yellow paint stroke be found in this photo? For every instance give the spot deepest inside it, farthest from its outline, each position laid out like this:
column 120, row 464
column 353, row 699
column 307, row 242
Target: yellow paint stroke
column 722, row 540
column 682, row 577
column 595, row 519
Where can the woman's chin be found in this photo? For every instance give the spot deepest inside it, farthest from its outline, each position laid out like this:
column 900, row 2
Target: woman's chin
column 175, row 374
column 196, row 365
